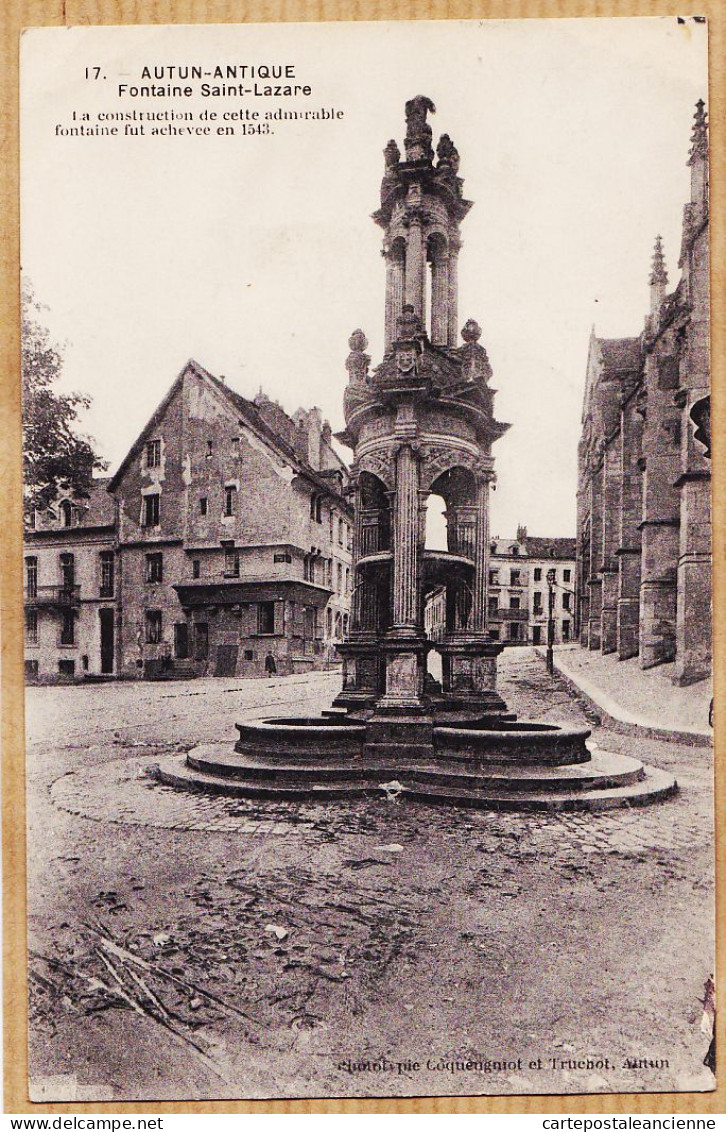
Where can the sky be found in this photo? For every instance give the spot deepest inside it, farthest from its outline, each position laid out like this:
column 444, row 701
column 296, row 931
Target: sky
column 256, row 254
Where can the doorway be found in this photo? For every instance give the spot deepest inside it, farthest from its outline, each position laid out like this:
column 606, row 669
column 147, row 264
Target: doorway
column 107, row 640
column 181, row 640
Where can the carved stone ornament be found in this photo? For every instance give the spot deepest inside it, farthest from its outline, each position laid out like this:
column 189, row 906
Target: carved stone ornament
column 407, row 360
column 471, row 331
column 447, row 154
column 418, row 132
column 358, row 361
column 378, row 464
column 440, row 459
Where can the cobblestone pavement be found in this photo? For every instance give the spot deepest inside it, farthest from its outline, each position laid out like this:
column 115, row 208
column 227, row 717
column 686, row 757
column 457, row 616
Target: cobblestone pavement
column 332, row 934
column 122, row 792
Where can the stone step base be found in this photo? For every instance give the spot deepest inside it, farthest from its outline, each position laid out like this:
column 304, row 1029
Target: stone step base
column 612, row 781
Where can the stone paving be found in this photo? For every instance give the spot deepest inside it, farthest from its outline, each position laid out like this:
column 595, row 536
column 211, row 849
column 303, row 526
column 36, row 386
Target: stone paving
column 408, row 929
column 122, row 792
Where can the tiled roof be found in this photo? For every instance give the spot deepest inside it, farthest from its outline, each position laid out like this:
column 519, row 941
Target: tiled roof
column 551, row 547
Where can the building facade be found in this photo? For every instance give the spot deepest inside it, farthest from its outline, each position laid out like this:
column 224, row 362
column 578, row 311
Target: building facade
column 519, row 591
column 644, row 491
column 228, row 541
column 71, row 587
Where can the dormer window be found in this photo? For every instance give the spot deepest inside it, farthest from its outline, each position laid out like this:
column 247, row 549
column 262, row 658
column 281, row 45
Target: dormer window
column 153, row 453
column 66, row 513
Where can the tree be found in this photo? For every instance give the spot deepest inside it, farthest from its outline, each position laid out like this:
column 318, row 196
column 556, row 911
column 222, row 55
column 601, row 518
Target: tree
column 54, row 454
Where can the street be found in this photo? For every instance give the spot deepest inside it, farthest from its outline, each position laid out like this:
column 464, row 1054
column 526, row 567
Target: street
column 186, row 946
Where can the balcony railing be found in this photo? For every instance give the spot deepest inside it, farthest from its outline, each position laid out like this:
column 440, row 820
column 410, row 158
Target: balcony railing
column 509, row 614
column 62, row 597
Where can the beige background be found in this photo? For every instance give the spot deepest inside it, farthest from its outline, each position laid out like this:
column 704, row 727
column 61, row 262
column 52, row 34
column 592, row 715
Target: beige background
column 45, row 12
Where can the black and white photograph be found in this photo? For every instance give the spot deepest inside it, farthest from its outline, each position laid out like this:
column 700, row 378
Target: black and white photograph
column 367, row 560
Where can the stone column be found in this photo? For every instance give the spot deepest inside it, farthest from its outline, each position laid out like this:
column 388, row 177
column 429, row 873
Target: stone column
column 628, row 553
column 661, row 515
column 477, row 619
column 405, row 542
column 440, row 297
column 594, row 582
column 415, row 268
column 610, row 537
column 391, row 314
column 453, row 285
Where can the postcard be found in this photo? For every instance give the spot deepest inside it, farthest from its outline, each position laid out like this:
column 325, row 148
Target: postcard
column 367, row 559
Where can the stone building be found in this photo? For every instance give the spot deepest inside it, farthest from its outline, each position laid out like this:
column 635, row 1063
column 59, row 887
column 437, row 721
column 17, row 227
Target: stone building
column 644, row 531
column 518, row 602
column 71, row 587
column 228, row 534
column 518, row 591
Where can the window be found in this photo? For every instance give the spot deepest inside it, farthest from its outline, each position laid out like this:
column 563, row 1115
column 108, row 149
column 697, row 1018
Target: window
column 31, row 626
column 153, row 454
column 515, row 578
column 266, row 618
column 249, row 654
column 515, row 551
column 230, row 500
column 151, row 510
column 514, row 631
column 66, row 513
column 536, row 634
column 494, row 634
column 514, row 603
column 31, row 669
column 341, row 526
column 316, row 508
column 345, row 624
column 66, row 667
column 31, row 577
column 538, row 573
column 340, row 578
column 310, row 626
column 154, row 567
column 231, row 562
column 210, row 449
column 283, row 557
column 347, row 580
column 68, row 628
column 566, row 575
column 493, row 605
column 538, row 602
column 153, row 626
column 329, row 620
column 196, row 568
column 203, row 505
column 107, row 569
column 493, row 577
column 68, row 571
column 565, row 601
column 565, row 630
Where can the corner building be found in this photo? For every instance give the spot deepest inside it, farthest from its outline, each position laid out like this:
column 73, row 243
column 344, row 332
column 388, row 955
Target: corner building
column 644, row 490
column 225, row 548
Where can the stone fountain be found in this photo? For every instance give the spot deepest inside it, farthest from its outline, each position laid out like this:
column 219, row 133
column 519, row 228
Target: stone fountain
column 421, row 423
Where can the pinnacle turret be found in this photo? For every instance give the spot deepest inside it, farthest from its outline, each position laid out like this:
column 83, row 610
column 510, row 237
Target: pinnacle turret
column 658, row 274
column 699, row 137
